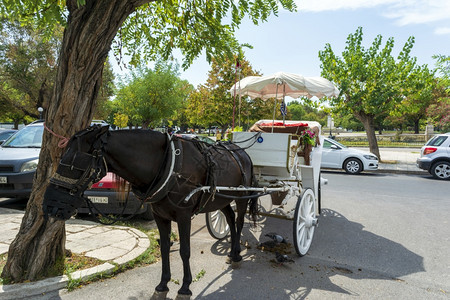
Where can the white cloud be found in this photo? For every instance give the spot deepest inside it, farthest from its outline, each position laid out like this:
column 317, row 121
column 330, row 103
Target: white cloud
column 442, row 30
column 419, row 12
column 326, row 5
column 405, row 12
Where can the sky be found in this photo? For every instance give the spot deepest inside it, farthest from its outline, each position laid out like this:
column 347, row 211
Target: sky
column 291, row 42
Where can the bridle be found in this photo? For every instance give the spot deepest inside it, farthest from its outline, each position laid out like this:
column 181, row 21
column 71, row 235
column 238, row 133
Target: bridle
column 74, row 175
column 92, row 165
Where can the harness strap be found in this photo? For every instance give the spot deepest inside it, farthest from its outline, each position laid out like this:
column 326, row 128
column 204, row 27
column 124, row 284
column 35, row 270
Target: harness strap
column 169, row 165
column 227, row 146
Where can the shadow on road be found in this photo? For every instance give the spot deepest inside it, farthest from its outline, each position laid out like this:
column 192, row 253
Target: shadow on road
column 340, row 247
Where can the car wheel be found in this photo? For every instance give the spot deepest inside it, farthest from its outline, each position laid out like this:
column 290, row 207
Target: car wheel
column 353, row 166
column 441, row 170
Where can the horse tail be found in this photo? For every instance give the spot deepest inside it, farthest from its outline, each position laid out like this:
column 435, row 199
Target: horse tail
column 253, row 208
column 253, row 203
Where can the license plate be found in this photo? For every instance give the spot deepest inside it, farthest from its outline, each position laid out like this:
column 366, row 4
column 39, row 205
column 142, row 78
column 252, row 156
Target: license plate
column 95, row 199
column 3, row 180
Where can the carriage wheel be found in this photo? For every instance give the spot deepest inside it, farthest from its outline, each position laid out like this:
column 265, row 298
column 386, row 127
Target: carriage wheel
column 216, row 223
column 305, row 222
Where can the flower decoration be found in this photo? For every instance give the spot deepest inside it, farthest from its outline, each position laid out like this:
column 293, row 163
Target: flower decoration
column 308, row 137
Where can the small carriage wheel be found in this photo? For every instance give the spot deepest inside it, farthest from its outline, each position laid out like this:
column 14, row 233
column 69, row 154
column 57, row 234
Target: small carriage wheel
column 216, row 223
column 305, row 222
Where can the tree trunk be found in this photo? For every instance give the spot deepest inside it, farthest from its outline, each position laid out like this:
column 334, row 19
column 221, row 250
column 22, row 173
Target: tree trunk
column 367, row 121
column 416, row 126
column 38, row 248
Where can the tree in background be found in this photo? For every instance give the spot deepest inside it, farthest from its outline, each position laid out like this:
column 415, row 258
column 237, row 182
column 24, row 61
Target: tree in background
column 104, row 106
column 150, row 30
column 27, row 70
column 303, row 112
column 419, row 93
column 149, row 96
column 439, row 112
column 212, row 103
column 370, row 80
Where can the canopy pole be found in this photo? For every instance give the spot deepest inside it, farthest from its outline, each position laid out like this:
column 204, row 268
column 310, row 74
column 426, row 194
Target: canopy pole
column 240, row 97
column 284, row 94
column 275, row 107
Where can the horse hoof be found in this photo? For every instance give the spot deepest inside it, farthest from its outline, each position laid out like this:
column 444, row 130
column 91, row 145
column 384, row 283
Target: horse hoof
column 182, row 297
column 159, row 295
column 229, row 260
column 236, row 264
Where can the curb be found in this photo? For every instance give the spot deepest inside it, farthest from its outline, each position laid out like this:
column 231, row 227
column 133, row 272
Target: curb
column 36, row 288
column 406, row 172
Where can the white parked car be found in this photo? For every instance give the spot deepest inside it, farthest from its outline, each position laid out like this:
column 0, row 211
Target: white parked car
column 353, row 161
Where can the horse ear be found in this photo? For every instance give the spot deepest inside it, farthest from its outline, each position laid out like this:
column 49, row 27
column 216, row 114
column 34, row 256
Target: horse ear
column 103, row 130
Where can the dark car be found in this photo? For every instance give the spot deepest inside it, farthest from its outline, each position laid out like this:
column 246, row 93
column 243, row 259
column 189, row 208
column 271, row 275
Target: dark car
column 19, row 157
column 5, row 134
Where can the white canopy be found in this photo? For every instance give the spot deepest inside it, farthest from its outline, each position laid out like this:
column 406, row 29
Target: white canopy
column 283, row 84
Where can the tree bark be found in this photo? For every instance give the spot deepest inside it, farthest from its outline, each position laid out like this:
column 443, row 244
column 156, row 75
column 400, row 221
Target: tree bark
column 368, row 122
column 416, row 126
column 38, row 249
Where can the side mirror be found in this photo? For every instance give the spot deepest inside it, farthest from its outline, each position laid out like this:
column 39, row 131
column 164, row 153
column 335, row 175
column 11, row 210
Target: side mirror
column 334, row 147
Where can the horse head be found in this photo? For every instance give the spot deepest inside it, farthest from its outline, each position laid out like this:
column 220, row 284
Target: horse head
column 80, row 166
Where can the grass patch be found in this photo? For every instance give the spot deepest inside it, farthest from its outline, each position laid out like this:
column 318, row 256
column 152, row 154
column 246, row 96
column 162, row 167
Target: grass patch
column 381, row 144
column 75, row 262
column 150, row 256
column 3, row 259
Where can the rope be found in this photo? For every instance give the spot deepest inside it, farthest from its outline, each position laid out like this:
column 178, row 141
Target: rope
column 63, row 140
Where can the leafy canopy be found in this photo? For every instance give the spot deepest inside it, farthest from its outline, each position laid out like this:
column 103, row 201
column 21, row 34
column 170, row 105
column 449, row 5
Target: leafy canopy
column 158, row 27
column 370, row 80
column 152, row 95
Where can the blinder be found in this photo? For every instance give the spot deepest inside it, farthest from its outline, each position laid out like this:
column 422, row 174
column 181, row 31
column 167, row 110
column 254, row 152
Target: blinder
column 75, row 173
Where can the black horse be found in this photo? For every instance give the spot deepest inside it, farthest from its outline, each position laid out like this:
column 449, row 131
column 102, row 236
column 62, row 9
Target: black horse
column 162, row 170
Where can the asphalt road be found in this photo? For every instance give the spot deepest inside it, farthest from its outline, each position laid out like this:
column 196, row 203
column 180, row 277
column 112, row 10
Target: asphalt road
column 381, row 236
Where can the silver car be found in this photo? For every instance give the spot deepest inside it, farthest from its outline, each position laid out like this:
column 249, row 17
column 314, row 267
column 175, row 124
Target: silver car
column 19, row 156
column 353, row 161
column 435, row 156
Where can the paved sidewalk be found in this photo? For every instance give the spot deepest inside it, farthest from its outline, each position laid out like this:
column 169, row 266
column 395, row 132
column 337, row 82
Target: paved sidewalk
column 115, row 245
column 398, row 160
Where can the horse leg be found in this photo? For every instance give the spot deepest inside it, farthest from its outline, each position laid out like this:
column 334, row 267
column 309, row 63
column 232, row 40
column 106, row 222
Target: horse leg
column 184, row 229
column 242, row 210
column 164, row 227
column 235, row 246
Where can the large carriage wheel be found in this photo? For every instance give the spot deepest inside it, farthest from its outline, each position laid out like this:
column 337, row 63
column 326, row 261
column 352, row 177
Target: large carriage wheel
column 216, row 223
column 305, row 222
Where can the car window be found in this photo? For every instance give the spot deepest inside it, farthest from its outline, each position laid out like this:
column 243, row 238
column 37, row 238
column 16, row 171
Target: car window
column 327, row 144
column 436, row 141
column 28, row 137
column 6, row 134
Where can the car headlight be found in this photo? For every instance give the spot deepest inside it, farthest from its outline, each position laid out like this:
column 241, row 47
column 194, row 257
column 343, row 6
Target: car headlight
column 29, row 166
column 371, row 157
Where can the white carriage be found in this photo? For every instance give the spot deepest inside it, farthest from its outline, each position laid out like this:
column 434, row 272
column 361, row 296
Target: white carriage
column 287, row 171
